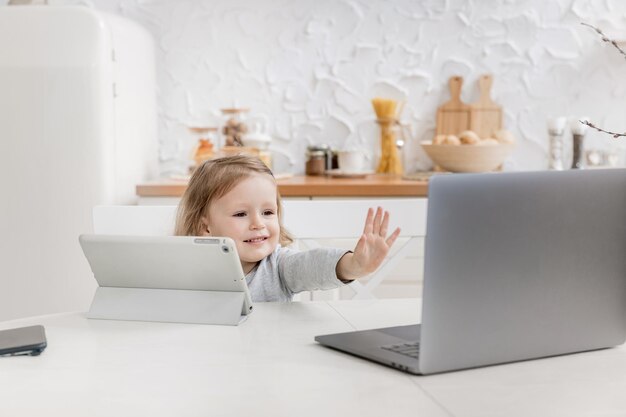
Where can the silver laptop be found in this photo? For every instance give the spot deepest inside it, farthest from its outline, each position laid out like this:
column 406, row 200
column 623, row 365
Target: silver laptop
column 182, row 279
column 517, row 266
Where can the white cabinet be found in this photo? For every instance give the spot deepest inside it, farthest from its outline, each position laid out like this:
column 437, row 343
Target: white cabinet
column 338, row 222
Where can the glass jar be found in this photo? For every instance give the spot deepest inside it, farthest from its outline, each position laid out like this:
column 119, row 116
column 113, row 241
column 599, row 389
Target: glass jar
column 235, row 126
column 316, row 160
column 390, row 161
column 204, row 145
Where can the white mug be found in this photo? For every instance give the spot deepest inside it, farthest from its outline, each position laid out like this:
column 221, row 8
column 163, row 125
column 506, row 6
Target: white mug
column 351, row 161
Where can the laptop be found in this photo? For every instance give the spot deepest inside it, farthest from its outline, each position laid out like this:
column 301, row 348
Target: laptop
column 181, row 279
column 517, row 266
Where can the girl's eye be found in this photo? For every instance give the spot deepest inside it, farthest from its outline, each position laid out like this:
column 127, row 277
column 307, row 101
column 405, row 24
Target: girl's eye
column 240, row 214
column 268, row 213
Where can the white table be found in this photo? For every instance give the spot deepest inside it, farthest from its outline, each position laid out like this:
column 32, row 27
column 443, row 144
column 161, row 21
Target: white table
column 270, row 365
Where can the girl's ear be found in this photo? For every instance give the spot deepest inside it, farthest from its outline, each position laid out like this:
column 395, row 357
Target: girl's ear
column 205, row 226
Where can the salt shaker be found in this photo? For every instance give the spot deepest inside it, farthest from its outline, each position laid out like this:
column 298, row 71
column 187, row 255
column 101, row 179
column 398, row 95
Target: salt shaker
column 578, row 132
column 556, row 128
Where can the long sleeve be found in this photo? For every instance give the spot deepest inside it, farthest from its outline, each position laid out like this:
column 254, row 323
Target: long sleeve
column 287, row 271
column 310, row 270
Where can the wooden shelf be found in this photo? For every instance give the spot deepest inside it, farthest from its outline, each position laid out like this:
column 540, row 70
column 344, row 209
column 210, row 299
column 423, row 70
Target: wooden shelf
column 376, row 185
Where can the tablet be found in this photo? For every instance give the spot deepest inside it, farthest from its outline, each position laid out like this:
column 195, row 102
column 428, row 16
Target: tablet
column 167, row 263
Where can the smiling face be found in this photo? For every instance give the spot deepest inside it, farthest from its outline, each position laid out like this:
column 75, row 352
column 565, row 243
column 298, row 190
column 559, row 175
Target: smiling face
column 248, row 214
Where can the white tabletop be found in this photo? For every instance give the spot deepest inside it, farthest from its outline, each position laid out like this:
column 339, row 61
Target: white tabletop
column 270, row 365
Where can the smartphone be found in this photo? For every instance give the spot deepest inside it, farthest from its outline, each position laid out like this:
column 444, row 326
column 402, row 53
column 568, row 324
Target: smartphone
column 29, row 340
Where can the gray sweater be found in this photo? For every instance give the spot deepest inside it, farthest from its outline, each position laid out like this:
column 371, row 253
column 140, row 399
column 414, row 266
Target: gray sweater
column 286, row 272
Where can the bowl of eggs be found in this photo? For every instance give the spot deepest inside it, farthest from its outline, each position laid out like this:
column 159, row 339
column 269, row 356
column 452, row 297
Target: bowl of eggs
column 467, row 152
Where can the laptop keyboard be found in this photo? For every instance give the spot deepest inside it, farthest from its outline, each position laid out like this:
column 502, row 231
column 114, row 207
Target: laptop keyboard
column 408, row 349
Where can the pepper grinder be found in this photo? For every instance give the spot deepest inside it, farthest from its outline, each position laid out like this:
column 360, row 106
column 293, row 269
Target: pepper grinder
column 556, row 128
column 578, row 132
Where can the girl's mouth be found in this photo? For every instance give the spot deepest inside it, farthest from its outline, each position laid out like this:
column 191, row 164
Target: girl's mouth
column 256, row 240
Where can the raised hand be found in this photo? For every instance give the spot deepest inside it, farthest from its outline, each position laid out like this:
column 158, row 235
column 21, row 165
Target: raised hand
column 371, row 249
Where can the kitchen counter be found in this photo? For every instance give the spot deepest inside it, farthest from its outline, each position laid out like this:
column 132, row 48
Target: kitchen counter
column 375, row 185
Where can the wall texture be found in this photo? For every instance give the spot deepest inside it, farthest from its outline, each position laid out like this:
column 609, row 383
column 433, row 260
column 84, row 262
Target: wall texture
column 311, row 68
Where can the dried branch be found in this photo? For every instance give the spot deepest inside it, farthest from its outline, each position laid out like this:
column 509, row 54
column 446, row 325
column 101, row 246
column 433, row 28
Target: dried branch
column 591, row 125
column 621, row 51
column 606, row 39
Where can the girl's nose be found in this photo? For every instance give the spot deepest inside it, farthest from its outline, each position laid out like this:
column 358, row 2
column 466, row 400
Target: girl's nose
column 256, row 222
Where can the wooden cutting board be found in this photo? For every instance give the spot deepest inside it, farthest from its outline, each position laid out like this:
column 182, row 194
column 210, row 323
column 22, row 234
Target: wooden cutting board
column 485, row 114
column 453, row 117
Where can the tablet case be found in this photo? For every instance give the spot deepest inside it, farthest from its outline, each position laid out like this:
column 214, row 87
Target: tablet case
column 181, row 279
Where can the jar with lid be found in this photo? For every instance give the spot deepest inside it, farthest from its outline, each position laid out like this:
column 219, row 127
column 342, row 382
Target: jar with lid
column 235, row 126
column 316, row 160
column 258, row 141
column 204, row 145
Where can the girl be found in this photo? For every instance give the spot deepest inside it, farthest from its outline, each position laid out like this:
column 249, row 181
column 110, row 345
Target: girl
column 237, row 197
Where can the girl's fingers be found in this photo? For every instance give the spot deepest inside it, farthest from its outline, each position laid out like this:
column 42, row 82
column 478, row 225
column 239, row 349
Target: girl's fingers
column 377, row 220
column 385, row 225
column 369, row 221
column 391, row 239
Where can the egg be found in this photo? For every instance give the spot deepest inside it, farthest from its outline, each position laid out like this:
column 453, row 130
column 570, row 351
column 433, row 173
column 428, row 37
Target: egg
column 488, row 142
column 504, row 136
column 469, row 137
column 452, row 140
column 439, row 139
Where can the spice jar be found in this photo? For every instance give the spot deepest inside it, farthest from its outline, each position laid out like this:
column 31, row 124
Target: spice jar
column 316, row 160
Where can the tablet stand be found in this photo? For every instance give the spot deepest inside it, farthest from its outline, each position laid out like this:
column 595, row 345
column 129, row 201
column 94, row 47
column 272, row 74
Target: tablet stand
column 174, row 306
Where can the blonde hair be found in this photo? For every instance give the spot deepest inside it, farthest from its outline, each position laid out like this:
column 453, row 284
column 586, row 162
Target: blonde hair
column 211, row 181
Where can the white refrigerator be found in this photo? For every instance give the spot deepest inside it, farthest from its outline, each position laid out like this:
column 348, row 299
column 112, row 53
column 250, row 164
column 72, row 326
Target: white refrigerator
column 77, row 129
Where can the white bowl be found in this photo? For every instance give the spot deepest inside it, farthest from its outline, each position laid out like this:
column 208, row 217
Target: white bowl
column 468, row 158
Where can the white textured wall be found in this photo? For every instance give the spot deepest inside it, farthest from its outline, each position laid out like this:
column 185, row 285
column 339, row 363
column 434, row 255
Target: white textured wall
column 312, row 67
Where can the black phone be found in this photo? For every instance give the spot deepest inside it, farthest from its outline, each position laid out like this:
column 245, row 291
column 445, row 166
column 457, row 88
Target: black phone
column 29, row 340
